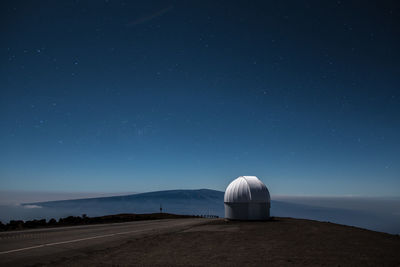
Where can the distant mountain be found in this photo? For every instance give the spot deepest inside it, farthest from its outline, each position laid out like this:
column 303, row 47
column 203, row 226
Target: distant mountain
column 191, row 202
column 210, row 202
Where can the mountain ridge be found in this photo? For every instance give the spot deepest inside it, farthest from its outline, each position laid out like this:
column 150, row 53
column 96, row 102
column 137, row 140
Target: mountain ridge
column 211, row 202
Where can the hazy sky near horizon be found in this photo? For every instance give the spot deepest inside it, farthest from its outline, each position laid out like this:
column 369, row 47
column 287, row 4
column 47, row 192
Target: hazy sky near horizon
column 117, row 96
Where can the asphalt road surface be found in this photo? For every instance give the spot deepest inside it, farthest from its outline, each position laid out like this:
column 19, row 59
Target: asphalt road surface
column 41, row 246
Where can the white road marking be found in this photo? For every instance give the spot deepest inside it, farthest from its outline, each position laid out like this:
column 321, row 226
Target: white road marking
column 78, row 240
column 69, row 241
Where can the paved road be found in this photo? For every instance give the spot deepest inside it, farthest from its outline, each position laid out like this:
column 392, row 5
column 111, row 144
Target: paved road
column 31, row 247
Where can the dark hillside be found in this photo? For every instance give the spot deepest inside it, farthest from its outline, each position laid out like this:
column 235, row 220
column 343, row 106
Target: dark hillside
column 280, row 242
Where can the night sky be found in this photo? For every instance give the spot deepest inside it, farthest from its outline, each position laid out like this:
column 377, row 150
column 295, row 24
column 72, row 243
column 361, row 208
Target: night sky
column 118, row 96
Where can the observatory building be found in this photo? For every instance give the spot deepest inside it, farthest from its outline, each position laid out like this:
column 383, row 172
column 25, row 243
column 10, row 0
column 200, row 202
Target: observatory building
column 247, row 198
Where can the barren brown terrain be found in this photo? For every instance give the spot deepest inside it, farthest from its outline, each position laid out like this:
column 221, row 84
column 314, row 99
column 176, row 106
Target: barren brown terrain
column 279, row 242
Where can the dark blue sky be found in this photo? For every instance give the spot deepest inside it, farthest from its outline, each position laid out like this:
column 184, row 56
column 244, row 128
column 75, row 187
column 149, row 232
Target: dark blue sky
column 152, row 95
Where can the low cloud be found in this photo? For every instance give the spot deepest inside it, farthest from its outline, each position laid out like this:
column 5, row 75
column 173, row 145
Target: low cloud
column 32, row 207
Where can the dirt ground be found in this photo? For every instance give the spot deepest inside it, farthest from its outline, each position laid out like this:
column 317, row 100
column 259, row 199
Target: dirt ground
column 279, row 242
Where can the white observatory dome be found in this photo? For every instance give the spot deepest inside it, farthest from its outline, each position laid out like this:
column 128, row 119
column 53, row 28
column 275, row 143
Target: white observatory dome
column 247, row 198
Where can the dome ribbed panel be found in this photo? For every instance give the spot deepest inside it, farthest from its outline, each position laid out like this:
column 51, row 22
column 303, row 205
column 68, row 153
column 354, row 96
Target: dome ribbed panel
column 228, row 193
column 259, row 192
column 245, row 189
column 238, row 191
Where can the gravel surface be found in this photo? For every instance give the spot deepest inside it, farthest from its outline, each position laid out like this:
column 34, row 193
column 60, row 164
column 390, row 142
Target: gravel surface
column 279, row 242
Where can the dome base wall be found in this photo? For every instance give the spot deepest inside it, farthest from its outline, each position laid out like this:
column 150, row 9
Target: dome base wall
column 247, row 211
